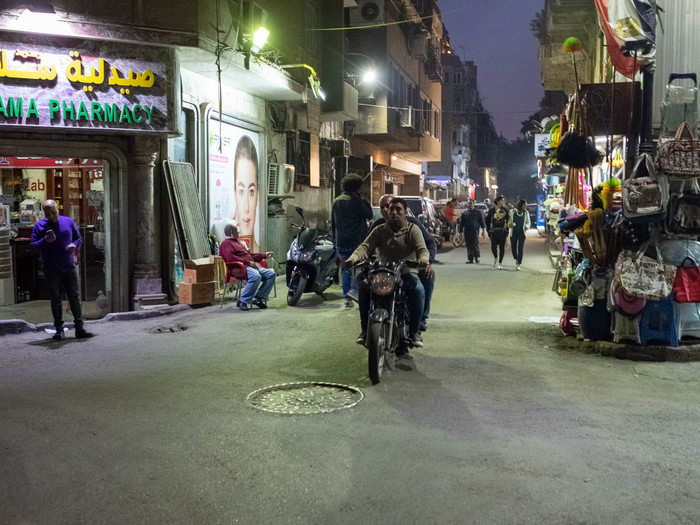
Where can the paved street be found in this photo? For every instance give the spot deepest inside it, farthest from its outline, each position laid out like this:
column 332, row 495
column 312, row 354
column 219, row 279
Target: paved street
column 500, row 420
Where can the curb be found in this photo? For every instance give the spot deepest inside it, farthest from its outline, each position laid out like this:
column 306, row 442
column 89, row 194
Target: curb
column 656, row 353
column 18, row 326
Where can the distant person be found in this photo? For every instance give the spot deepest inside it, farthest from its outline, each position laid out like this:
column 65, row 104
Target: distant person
column 260, row 280
column 58, row 240
column 471, row 223
column 519, row 223
column 451, row 212
column 349, row 217
column 497, row 227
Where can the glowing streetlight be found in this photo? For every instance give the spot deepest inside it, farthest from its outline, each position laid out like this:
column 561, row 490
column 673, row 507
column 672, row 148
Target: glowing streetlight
column 259, row 39
column 369, row 76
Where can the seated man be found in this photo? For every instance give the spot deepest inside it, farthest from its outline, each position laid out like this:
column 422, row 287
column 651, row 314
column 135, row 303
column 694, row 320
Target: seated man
column 427, row 279
column 255, row 292
column 397, row 240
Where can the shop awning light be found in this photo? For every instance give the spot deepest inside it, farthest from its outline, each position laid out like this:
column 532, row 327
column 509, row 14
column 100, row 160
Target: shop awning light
column 314, row 81
column 259, row 39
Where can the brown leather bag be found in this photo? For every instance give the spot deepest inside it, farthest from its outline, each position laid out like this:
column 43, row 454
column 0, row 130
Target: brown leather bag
column 680, row 156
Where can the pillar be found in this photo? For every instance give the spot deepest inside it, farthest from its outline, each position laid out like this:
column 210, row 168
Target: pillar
column 147, row 282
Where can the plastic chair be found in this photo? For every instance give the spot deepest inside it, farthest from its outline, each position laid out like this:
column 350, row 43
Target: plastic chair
column 658, row 323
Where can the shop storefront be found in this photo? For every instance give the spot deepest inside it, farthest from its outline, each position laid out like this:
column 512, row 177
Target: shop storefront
column 83, row 123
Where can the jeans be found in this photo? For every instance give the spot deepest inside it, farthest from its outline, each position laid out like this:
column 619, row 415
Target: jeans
column 416, row 302
column 517, row 244
column 471, row 240
column 255, row 277
column 68, row 282
column 349, row 281
column 498, row 242
column 428, row 286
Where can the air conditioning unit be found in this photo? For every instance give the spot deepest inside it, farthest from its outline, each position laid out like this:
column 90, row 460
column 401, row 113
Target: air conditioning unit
column 407, row 117
column 280, row 180
column 367, row 12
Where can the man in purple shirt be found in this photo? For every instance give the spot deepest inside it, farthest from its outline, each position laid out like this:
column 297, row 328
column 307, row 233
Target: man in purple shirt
column 58, row 240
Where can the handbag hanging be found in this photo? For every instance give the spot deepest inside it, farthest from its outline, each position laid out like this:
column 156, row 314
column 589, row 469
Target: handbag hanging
column 683, row 216
column 643, row 276
column 686, row 285
column 680, row 156
column 644, row 195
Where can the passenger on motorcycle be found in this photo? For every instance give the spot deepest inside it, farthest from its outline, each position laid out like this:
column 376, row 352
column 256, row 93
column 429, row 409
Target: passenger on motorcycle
column 396, row 240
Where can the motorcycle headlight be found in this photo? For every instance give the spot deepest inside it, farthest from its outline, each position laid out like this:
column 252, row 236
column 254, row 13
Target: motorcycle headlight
column 382, row 283
column 305, row 256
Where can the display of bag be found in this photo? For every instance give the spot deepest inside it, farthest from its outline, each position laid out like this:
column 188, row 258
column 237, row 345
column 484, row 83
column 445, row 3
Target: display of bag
column 680, row 156
column 675, row 251
column 644, row 195
column 643, row 276
column 688, row 319
column 580, row 278
column 625, row 328
column 626, row 303
column 683, row 217
column 686, row 285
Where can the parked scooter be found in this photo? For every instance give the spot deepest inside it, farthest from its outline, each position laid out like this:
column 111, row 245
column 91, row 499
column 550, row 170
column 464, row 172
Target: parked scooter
column 311, row 262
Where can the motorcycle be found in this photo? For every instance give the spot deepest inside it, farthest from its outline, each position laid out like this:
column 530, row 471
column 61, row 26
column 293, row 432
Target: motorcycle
column 311, row 262
column 387, row 328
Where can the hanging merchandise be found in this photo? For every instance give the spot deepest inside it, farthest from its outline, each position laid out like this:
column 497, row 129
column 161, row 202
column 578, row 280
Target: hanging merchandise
column 644, row 195
column 576, row 149
column 683, row 217
column 688, row 318
column 680, row 103
column 625, row 302
column 643, row 276
column 686, row 285
column 675, row 251
column 680, row 156
column 658, row 323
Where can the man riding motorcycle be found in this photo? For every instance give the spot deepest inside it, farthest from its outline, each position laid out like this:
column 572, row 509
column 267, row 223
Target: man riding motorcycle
column 396, row 240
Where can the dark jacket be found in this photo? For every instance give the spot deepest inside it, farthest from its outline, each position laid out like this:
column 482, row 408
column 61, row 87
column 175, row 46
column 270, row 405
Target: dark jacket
column 349, row 218
column 427, row 238
column 497, row 220
column 472, row 221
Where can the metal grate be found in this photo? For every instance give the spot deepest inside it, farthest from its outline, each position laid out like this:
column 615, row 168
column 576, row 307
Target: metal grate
column 305, row 398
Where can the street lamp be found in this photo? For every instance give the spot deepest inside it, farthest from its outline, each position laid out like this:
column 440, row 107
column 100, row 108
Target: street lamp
column 314, row 81
column 259, row 39
column 369, row 76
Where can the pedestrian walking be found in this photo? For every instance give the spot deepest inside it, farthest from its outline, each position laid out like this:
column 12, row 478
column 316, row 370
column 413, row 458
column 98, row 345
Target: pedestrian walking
column 471, row 223
column 349, row 217
column 497, row 227
column 519, row 223
column 58, row 240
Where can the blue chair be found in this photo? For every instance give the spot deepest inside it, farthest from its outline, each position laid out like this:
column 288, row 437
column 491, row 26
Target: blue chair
column 658, row 323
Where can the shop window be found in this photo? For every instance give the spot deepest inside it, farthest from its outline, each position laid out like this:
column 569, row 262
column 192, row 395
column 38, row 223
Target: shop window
column 436, row 124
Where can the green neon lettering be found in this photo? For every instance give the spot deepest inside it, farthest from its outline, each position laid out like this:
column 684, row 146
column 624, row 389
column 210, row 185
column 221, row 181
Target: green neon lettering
column 137, row 109
column 95, row 111
column 32, row 110
column 15, row 107
column 149, row 112
column 68, row 109
column 111, row 112
column 126, row 114
column 54, row 108
column 83, row 112
column 2, row 108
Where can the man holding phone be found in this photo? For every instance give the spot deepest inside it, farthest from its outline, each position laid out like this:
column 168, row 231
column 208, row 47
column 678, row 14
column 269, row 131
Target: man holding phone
column 58, row 239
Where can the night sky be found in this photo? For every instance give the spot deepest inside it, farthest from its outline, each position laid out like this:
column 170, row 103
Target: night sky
column 495, row 34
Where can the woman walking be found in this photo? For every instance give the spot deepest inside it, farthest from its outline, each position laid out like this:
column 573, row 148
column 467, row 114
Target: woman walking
column 497, row 225
column 519, row 223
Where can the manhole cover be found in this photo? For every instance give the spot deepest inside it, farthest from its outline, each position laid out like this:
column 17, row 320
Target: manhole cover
column 171, row 329
column 305, row 398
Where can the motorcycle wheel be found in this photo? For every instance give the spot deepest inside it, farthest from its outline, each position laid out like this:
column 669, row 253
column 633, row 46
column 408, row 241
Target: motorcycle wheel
column 377, row 346
column 458, row 239
column 297, row 285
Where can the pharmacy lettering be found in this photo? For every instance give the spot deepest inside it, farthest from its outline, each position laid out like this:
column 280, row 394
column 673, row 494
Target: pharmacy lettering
column 98, row 85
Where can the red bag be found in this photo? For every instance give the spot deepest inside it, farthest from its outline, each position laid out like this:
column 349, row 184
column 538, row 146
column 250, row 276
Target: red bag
column 686, row 285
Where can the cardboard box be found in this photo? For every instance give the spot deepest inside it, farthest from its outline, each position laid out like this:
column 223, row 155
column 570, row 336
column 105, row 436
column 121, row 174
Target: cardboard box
column 199, row 270
column 196, row 293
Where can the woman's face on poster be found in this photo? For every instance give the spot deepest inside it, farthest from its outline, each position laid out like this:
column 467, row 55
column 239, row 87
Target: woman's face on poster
column 246, row 195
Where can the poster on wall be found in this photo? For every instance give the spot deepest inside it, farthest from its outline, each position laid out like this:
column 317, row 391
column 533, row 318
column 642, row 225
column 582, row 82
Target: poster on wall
column 234, row 178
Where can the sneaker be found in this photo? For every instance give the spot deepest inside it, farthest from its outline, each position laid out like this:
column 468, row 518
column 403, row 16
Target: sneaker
column 352, row 295
column 416, row 340
column 500, row 266
column 477, row 260
column 58, row 336
column 83, row 334
column 244, row 306
column 260, row 303
column 517, row 267
column 470, row 262
column 495, row 264
column 423, row 326
column 348, row 302
column 361, row 338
